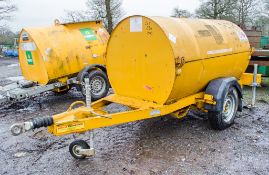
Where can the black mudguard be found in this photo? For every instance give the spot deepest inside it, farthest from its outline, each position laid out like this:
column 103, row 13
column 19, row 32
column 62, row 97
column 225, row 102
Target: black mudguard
column 218, row 88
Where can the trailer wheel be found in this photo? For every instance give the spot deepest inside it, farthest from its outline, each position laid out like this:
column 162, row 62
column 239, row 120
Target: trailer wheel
column 224, row 119
column 78, row 144
column 99, row 84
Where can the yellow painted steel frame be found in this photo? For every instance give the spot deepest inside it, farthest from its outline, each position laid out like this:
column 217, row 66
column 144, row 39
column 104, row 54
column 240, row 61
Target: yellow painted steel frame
column 247, row 79
column 83, row 119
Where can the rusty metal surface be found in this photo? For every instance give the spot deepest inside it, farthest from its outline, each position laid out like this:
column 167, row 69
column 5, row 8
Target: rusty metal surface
column 260, row 63
column 261, row 53
column 254, row 37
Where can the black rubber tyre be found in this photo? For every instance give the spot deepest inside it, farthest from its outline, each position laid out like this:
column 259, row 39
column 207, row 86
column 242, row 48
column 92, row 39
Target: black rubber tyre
column 78, row 144
column 224, row 119
column 99, row 84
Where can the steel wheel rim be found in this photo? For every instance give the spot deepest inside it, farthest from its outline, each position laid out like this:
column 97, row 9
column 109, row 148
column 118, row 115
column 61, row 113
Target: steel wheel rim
column 75, row 150
column 98, row 85
column 16, row 130
column 228, row 108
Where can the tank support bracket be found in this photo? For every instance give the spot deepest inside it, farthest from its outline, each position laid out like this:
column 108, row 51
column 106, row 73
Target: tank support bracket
column 86, row 152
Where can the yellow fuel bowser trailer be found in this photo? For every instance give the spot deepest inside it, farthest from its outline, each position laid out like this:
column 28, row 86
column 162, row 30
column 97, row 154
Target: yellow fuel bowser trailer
column 159, row 66
column 57, row 57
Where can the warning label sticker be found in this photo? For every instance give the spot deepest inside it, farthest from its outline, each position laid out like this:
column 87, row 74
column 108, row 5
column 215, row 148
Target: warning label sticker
column 136, row 24
column 70, row 127
column 155, row 113
column 29, row 46
column 172, row 38
column 242, row 36
column 221, row 51
column 88, row 34
column 29, row 57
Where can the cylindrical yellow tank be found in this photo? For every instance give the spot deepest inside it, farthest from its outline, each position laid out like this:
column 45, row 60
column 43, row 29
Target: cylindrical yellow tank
column 59, row 52
column 162, row 59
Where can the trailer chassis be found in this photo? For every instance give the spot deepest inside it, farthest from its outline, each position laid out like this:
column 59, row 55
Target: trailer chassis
column 87, row 116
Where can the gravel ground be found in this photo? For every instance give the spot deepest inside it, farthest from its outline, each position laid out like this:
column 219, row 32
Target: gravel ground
column 157, row 146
